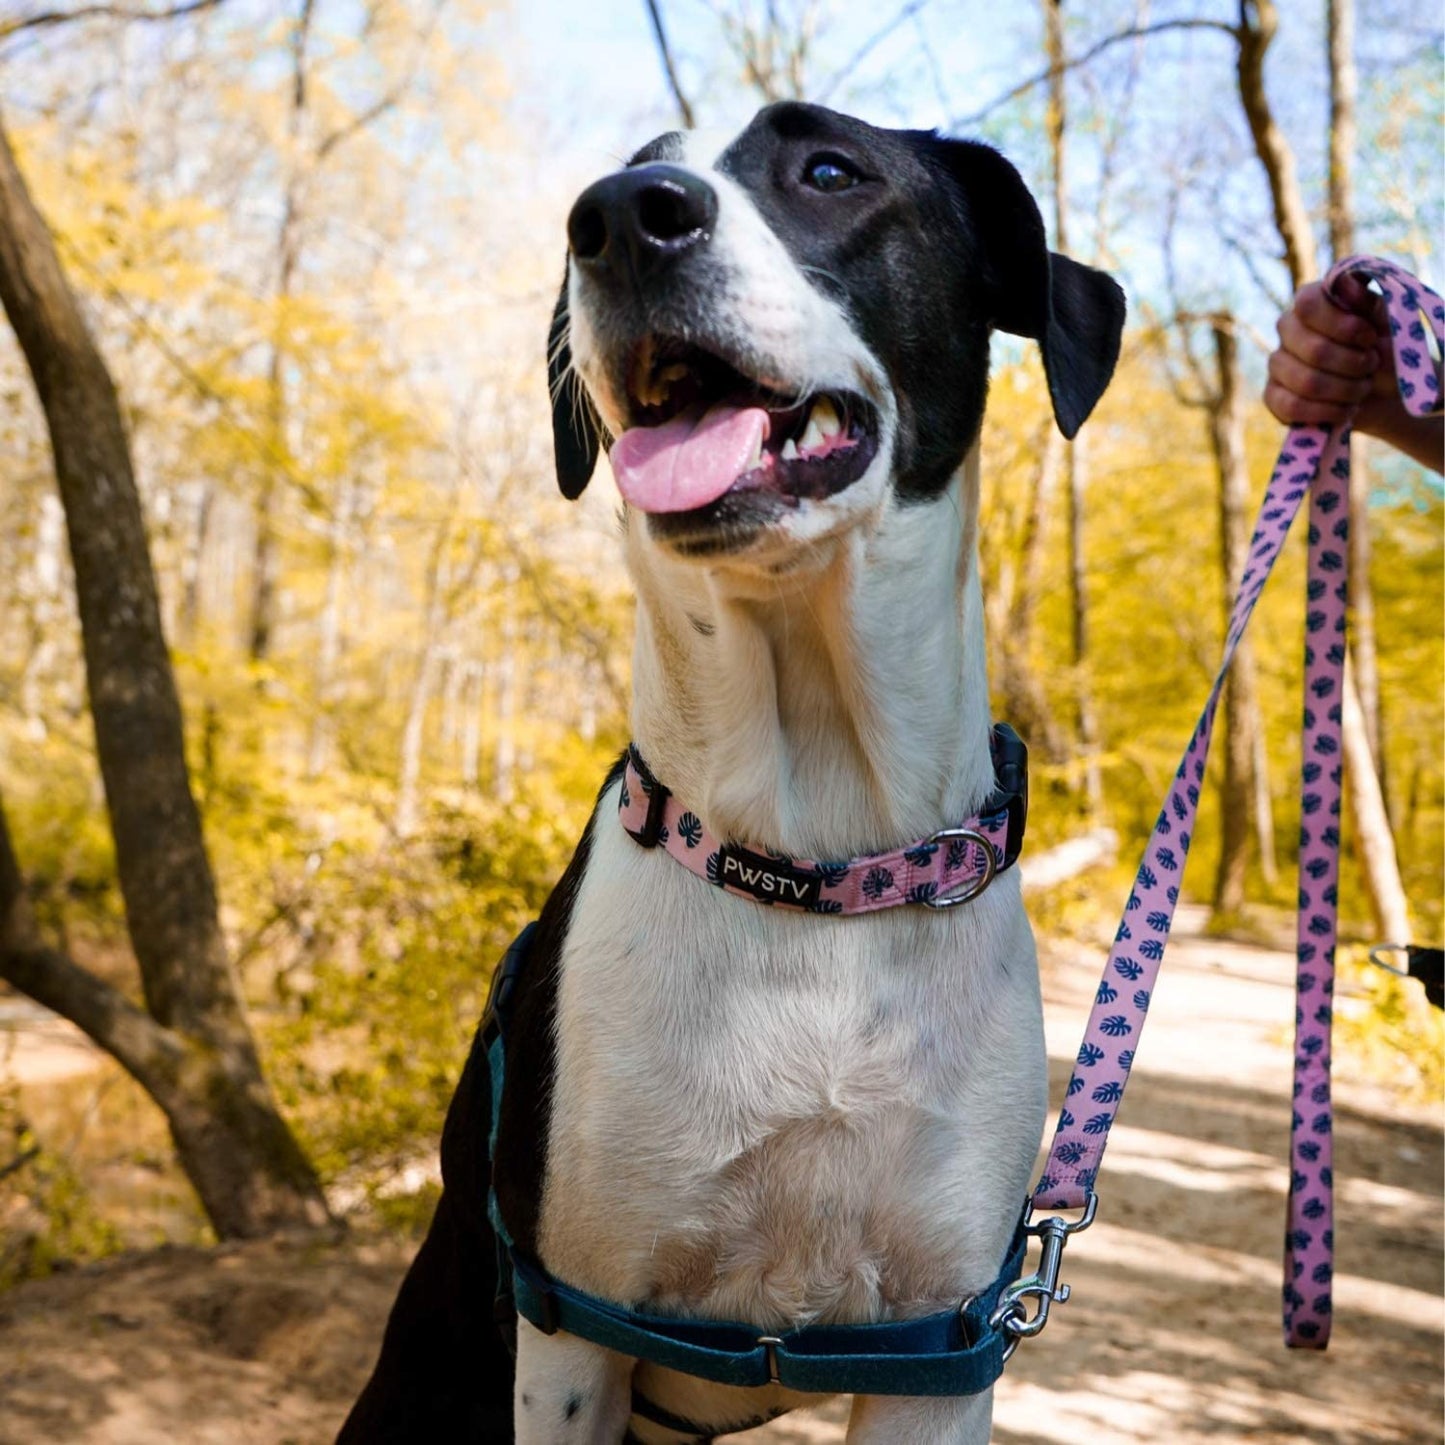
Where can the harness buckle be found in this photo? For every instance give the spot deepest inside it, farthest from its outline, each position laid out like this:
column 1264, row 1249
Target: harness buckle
column 967, row 891
column 1011, row 1314
column 770, row 1343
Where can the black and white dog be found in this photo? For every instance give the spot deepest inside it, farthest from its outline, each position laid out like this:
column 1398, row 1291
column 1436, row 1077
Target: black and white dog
column 715, row 1108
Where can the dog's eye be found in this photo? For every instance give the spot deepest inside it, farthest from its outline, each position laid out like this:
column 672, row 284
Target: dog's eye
column 829, row 174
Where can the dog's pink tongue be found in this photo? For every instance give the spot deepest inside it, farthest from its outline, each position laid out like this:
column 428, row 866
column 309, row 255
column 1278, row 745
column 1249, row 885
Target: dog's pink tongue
column 689, row 461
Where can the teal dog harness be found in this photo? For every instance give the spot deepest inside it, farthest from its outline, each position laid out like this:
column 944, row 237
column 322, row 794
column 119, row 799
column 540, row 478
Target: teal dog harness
column 957, row 1351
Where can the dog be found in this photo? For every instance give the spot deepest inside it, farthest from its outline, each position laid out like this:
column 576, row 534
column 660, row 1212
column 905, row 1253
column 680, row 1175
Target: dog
column 714, row 1107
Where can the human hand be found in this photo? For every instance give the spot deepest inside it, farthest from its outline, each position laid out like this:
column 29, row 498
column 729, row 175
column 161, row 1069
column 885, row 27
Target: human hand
column 1335, row 363
column 1334, row 358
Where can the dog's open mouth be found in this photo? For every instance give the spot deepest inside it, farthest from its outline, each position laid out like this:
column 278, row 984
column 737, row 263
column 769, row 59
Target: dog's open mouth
column 700, row 429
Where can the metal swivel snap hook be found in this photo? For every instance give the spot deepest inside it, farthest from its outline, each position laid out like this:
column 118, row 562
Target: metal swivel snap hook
column 1011, row 1314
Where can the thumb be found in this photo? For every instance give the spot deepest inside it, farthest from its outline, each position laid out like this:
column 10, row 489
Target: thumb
column 1349, row 293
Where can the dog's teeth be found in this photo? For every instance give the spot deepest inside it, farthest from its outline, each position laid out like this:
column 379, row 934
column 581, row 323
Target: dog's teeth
column 813, row 436
column 640, row 381
column 757, row 459
column 789, row 452
column 825, row 418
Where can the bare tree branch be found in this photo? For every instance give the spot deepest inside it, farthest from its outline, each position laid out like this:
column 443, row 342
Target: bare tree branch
column 664, row 51
column 868, row 46
column 935, row 73
column 1114, row 137
column 20, row 1161
column 47, row 18
column 1344, row 87
column 387, row 102
column 1248, row 257
column 1258, row 22
column 52, row 978
column 1134, row 32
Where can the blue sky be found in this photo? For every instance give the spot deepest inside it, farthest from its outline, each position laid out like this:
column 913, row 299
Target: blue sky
column 587, row 88
column 586, row 80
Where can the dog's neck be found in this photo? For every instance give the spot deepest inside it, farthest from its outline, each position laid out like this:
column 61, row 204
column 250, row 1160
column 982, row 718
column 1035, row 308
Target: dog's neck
column 827, row 717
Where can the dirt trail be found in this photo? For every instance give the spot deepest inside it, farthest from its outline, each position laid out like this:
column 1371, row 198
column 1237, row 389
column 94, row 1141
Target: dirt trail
column 1172, row 1333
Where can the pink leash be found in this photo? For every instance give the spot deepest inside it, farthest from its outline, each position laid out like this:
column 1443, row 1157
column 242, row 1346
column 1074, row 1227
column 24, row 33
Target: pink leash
column 1316, row 462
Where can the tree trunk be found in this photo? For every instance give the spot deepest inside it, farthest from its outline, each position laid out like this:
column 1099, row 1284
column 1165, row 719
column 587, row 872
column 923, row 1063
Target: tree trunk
column 1362, row 642
column 1057, row 126
column 408, row 786
column 1021, row 690
column 1078, row 586
column 1238, row 790
column 1340, row 19
column 434, row 618
column 266, row 560
column 1375, row 841
column 1264, row 809
column 328, row 643
column 1042, row 497
column 473, row 700
column 193, row 561
column 47, row 609
column 250, row 1173
column 1258, row 22
column 504, row 759
column 1341, row 27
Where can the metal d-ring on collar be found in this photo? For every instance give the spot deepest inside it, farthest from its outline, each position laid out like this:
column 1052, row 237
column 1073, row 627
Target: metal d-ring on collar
column 974, row 886
column 936, row 872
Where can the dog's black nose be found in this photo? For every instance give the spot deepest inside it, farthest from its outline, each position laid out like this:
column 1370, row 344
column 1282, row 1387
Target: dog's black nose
column 647, row 216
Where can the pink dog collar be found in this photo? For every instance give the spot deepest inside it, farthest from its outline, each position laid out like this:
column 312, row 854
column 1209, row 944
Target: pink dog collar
column 943, row 870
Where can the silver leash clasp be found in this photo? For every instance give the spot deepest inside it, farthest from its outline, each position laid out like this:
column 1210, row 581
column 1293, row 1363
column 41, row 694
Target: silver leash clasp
column 1011, row 1314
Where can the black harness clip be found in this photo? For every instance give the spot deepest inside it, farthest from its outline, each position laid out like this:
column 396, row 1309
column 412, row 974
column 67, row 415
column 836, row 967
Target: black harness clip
column 1011, row 769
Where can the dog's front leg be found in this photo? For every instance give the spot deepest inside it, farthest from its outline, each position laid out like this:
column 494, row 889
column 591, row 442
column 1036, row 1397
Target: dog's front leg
column 889, row 1419
column 569, row 1392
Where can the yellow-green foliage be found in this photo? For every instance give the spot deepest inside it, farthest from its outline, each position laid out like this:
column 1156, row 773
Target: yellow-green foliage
column 391, row 415
column 1157, row 616
column 47, row 1217
column 369, row 961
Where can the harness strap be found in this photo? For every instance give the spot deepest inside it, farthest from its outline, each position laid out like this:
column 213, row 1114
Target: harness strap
column 1316, row 461
column 954, row 1352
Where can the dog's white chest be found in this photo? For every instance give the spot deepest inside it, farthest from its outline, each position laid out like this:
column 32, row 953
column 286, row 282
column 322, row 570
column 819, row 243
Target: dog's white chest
column 777, row 1116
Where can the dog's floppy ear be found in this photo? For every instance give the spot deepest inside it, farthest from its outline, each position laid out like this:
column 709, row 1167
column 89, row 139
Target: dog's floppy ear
column 1074, row 312
column 576, row 431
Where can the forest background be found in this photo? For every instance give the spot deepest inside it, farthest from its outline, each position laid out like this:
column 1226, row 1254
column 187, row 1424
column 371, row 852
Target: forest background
column 317, row 243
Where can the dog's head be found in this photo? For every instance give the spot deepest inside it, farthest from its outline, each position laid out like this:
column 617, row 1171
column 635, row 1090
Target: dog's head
column 780, row 334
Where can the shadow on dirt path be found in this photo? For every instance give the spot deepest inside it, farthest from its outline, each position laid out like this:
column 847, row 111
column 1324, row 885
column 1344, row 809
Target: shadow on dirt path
column 1172, row 1334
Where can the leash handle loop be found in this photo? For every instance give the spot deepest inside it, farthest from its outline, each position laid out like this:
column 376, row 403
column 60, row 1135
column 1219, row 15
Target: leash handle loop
column 1314, row 461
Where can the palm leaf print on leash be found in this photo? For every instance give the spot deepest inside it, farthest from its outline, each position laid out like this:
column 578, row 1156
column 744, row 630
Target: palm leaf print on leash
column 1314, row 462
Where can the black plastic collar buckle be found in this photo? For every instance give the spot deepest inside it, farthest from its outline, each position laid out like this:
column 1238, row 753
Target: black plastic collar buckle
column 1011, row 768
column 657, row 796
